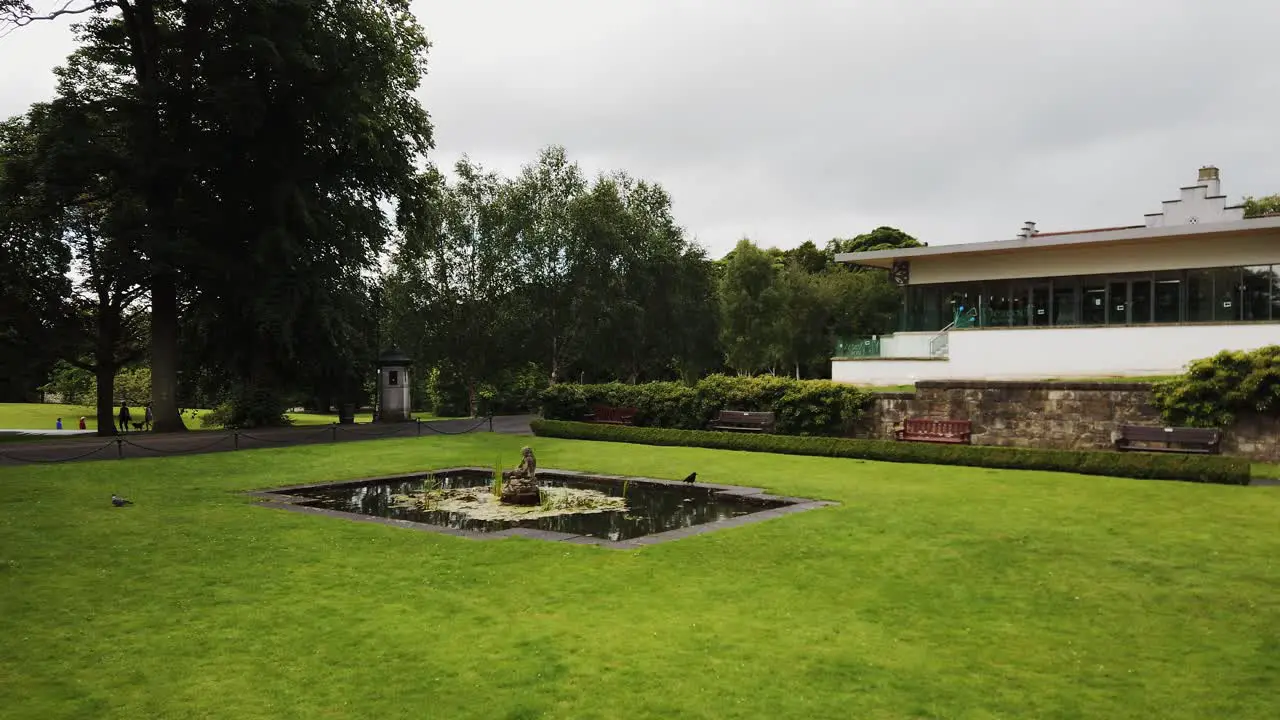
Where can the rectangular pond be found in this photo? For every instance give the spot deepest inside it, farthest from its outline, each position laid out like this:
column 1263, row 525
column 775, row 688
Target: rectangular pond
column 576, row 506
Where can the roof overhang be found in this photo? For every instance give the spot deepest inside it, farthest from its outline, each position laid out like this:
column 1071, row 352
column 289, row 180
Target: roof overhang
column 886, row 258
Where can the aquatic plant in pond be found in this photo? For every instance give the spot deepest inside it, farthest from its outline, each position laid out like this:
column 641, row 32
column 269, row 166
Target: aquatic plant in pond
column 475, row 504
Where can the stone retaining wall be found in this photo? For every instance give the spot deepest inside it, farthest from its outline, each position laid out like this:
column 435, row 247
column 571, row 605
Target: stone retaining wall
column 1077, row 416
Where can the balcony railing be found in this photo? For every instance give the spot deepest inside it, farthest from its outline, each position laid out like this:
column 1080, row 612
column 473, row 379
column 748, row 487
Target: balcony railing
column 858, row 348
column 917, row 346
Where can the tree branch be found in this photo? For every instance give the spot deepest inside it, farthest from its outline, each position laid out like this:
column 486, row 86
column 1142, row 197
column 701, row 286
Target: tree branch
column 18, row 13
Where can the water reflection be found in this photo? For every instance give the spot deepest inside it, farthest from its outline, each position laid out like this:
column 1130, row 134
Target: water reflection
column 651, row 508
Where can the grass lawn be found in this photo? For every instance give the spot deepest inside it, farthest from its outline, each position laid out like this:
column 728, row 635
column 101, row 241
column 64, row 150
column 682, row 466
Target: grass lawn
column 38, row 416
column 931, row 592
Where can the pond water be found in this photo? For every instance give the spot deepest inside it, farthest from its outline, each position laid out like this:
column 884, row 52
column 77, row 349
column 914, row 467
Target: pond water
column 650, row 507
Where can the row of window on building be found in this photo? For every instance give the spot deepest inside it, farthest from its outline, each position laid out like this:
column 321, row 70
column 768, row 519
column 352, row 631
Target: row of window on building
column 1230, row 294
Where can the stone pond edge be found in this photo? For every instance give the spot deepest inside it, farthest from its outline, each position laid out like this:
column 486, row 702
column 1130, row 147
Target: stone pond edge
column 278, row 498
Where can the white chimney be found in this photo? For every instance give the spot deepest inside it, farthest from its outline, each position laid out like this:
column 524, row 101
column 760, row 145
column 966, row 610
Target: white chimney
column 1028, row 230
column 1209, row 178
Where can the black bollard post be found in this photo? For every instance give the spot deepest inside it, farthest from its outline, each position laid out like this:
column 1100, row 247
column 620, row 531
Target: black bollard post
column 235, row 438
column 490, row 421
column 419, row 421
column 120, row 448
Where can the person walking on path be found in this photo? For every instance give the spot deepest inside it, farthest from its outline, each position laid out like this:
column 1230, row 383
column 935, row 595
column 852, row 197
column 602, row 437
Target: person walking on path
column 147, row 418
column 124, row 417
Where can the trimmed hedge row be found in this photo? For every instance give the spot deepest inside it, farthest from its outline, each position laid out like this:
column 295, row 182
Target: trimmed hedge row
column 801, row 407
column 1192, row 468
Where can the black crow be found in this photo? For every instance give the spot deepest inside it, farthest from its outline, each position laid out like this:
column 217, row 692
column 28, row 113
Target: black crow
column 692, row 476
column 119, row 501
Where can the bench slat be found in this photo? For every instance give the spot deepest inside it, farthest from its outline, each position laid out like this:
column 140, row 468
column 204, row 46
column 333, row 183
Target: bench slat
column 743, row 420
column 935, row 431
column 1171, row 439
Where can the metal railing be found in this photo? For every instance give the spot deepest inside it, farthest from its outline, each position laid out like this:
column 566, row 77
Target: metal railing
column 858, row 348
column 940, row 344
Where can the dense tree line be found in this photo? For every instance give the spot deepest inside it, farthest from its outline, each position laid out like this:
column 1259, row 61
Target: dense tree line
column 502, row 284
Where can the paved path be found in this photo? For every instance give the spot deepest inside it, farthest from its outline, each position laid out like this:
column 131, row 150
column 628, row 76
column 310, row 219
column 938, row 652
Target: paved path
column 136, row 445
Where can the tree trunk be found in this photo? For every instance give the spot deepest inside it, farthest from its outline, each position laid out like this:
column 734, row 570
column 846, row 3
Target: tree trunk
column 106, row 376
column 164, row 352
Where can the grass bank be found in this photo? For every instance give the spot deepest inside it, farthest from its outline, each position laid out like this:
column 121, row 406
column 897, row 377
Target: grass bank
column 44, row 416
column 929, row 592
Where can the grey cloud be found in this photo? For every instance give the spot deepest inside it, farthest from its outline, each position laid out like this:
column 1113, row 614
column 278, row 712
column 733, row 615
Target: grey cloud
column 789, row 120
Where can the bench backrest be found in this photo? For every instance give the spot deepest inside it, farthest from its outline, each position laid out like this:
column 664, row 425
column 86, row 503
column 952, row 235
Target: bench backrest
column 1142, row 433
column 922, row 426
column 743, row 417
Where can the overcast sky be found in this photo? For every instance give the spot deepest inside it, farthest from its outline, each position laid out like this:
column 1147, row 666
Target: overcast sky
column 788, row 120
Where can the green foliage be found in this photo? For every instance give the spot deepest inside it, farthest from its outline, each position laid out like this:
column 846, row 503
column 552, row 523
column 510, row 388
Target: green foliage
column 79, row 386
column 802, row 407
column 882, row 238
column 752, row 309
column 134, row 385
column 446, row 392
column 1259, row 206
column 76, row 386
column 547, row 269
column 516, row 390
column 1192, row 468
column 1217, row 391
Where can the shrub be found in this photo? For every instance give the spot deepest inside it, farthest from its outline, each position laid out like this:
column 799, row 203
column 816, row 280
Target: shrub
column 447, row 393
column 1192, row 468
column 1215, row 391
column 802, row 407
column 249, row 407
column 517, row 390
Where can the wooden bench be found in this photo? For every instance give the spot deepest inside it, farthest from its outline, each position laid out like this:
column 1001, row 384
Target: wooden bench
column 743, row 421
column 1207, row 441
column 610, row 415
column 955, row 432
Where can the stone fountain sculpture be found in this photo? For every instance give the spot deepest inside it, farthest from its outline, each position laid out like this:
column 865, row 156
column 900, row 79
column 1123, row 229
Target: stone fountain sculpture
column 518, row 487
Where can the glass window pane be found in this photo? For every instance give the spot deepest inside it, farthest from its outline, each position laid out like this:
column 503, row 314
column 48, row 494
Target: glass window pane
column 1018, row 313
column 1140, row 301
column 923, row 308
column 1226, row 294
column 1275, row 292
column 1094, row 311
column 1255, row 304
column 995, row 303
column 1200, row 296
column 962, row 305
column 1118, row 303
column 1168, row 298
column 1039, row 307
column 1066, row 306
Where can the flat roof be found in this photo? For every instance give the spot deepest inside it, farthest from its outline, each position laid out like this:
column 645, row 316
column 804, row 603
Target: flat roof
column 1138, row 233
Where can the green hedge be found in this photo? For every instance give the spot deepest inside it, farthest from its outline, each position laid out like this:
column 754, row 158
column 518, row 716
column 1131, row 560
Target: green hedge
column 1193, row 468
column 802, row 407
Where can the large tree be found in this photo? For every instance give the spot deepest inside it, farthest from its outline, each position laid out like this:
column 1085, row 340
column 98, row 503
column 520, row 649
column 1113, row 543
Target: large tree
column 752, row 308
column 264, row 139
column 33, row 270
column 458, row 290
column 75, row 182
